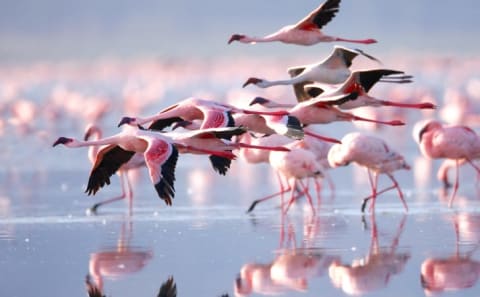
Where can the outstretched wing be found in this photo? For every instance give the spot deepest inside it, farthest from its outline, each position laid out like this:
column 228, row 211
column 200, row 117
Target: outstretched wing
column 298, row 88
column 320, row 16
column 161, row 158
column 369, row 78
column 109, row 159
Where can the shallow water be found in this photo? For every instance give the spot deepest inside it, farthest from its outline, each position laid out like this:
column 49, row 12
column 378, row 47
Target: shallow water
column 206, row 239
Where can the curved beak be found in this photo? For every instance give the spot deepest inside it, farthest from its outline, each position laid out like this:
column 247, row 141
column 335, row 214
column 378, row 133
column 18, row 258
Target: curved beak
column 235, row 37
column 125, row 120
column 61, row 140
column 258, row 100
column 252, row 80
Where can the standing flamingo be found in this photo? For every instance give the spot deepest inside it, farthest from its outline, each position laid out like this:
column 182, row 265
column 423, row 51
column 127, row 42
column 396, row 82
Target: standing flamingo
column 296, row 164
column 358, row 84
column 318, row 112
column 332, row 70
column 372, row 153
column 305, row 32
column 136, row 161
column 459, row 143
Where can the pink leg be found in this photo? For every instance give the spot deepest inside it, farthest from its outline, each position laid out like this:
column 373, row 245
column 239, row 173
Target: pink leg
column 455, row 186
column 318, row 189
column 362, row 41
column 400, row 194
column 309, row 198
column 129, row 193
column 373, row 186
column 292, row 196
column 94, row 208
column 254, row 203
column 365, row 200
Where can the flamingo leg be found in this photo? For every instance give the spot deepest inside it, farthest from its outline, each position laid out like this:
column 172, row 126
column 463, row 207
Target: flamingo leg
column 129, row 192
column 365, row 200
column 292, row 194
column 318, row 189
column 455, row 186
column 254, row 203
column 309, row 198
column 473, row 165
column 95, row 207
column 400, row 193
column 374, row 192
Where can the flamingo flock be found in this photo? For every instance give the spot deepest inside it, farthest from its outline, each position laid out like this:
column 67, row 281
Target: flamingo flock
column 276, row 133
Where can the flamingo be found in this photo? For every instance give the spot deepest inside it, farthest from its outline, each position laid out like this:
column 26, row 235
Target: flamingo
column 316, row 111
column 332, row 70
column 305, row 32
column 160, row 151
column 296, row 164
column 458, row 143
column 374, row 154
column 213, row 114
column 136, row 161
column 358, row 84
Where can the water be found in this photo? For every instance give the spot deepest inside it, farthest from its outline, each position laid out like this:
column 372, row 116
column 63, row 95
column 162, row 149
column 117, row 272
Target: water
column 206, row 241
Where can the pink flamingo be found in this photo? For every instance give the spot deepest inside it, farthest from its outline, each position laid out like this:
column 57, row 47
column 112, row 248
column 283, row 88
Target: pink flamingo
column 305, row 32
column 136, row 161
column 332, row 70
column 294, row 165
column 160, row 151
column 372, row 153
column 318, row 112
column 358, row 85
column 213, row 114
column 459, row 143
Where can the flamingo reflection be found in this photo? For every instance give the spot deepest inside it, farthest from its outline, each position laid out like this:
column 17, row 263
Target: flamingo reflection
column 119, row 261
column 374, row 271
column 458, row 271
column 289, row 271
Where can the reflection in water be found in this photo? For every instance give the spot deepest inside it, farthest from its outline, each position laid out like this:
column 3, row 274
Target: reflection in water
column 458, row 271
column 372, row 272
column 121, row 260
column 290, row 270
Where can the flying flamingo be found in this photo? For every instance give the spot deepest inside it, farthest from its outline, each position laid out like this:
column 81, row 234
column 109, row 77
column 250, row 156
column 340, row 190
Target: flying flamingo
column 332, row 70
column 305, row 32
column 458, row 143
column 318, row 112
column 160, row 151
column 374, row 154
column 358, row 85
column 213, row 114
column 136, row 161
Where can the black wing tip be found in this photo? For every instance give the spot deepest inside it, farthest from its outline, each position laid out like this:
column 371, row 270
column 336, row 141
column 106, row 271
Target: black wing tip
column 220, row 164
column 168, row 288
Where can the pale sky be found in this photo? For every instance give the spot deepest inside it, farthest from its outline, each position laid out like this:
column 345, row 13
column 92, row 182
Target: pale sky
column 59, row 29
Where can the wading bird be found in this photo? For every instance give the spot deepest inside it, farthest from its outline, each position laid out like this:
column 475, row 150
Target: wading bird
column 332, row 70
column 305, row 32
column 375, row 155
column 458, row 143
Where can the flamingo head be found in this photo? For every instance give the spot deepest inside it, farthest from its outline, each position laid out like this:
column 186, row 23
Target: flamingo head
column 235, row 37
column 259, row 100
column 423, row 127
column 63, row 140
column 129, row 121
column 252, row 80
